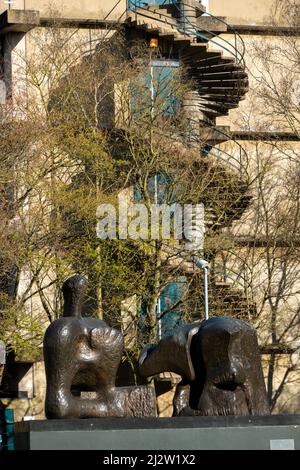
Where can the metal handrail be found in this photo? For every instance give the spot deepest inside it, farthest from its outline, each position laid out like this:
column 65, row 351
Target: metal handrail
column 237, row 279
column 111, row 28
column 229, row 28
column 113, row 8
column 238, row 166
column 233, row 162
column 243, row 155
column 194, row 29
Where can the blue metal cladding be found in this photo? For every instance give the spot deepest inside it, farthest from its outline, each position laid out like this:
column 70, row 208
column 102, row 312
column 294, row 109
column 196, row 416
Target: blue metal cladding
column 163, row 78
column 157, row 93
column 170, row 309
column 7, row 429
column 170, row 305
column 157, row 187
column 132, row 4
column 172, row 295
column 158, row 82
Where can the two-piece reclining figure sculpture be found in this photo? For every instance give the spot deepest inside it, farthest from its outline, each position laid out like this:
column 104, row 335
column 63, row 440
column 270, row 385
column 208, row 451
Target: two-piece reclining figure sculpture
column 217, row 359
column 220, row 367
column 84, row 354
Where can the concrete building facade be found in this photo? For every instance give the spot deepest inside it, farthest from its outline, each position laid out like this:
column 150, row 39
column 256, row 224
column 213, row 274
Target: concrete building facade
column 218, row 52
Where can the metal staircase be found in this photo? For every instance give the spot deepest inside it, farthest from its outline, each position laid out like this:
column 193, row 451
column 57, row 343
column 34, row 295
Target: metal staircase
column 216, row 67
column 231, row 291
column 215, row 64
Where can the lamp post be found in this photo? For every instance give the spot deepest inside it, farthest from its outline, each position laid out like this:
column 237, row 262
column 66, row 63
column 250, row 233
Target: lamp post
column 203, row 264
column 153, row 46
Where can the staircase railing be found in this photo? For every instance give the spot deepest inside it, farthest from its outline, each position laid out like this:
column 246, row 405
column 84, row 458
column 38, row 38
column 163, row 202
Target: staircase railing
column 238, row 164
column 189, row 28
column 237, row 160
column 237, row 278
column 111, row 28
column 239, row 49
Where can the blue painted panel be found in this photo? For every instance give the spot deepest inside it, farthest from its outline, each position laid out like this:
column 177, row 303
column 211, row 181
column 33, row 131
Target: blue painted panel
column 157, row 90
column 157, row 183
column 144, row 3
column 164, row 76
column 7, row 429
column 169, row 306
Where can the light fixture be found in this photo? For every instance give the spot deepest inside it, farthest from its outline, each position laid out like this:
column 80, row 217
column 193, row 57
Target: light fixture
column 153, row 43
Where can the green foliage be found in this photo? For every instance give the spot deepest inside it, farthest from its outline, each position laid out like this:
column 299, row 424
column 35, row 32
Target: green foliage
column 63, row 162
column 21, row 332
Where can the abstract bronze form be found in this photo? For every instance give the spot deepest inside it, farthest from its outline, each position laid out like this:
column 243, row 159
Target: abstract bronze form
column 82, row 356
column 220, row 366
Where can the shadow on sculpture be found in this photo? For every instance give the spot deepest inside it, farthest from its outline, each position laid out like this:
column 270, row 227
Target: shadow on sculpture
column 220, row 365
column 82, row 356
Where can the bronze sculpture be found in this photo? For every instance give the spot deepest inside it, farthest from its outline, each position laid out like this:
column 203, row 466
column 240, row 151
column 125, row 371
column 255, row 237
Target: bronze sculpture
column 82, row 356
column 217, row 359
column 220, row 366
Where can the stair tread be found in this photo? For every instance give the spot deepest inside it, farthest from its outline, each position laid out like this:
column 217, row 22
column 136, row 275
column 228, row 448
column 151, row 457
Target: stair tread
column 220, row 76
column 221, row 82
column 213, row 63
column 225, row 81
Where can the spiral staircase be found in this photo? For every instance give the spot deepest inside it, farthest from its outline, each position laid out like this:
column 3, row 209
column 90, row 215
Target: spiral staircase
column 217, row 69
column 215, row 64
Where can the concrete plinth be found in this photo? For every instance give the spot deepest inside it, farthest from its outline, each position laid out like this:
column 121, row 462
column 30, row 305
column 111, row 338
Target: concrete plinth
column 186, row 433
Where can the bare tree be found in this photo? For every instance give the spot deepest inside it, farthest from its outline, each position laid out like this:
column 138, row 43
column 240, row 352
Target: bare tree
column 93, row 127
column 263, row 246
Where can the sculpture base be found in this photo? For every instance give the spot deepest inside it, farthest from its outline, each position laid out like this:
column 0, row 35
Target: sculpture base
column 185, row 433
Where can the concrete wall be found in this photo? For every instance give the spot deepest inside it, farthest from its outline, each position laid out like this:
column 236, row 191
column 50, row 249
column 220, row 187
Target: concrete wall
column 242, row 12
column 34, row 382
column 79, row 9
column 14, row 49
column 17, row 45
column 251, row 113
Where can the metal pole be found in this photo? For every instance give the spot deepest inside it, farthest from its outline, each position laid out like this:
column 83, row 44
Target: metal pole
column 203, row 264
column 158, row 314
column 206, row 292
column 152, row 89
column 158, row 305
